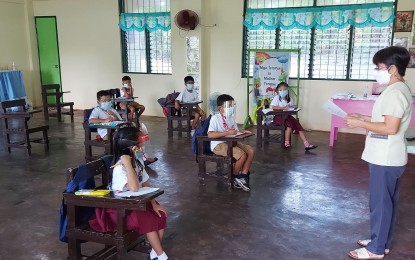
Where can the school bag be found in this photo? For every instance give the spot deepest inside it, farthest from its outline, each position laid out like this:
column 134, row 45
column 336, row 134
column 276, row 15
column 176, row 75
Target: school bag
column 202, row 130
column 169, row 100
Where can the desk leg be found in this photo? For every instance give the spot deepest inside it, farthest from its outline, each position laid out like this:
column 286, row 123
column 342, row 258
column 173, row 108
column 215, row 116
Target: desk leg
column 333, row 131
column 170, row 127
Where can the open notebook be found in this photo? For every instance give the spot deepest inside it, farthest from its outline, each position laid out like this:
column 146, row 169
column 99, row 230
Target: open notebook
column 237, row 134
column 141, row 191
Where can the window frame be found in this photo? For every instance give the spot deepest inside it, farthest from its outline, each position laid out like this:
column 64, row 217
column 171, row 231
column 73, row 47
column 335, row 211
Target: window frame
column 124, row 54
column 244, row 69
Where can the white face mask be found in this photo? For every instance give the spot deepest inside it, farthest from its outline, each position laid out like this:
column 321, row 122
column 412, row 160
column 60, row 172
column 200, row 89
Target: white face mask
column 382, row 76
column 126, row 85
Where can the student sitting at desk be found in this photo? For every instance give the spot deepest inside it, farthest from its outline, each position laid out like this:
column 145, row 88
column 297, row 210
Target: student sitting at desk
column 127, row 92
column 103, row 113
column 190, row 95
column 282, row 102
column 223, row 124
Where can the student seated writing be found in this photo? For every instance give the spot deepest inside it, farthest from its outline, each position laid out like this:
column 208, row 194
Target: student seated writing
column 189, row 95
column 223, row 124
column 282, row 102
column 103, row 113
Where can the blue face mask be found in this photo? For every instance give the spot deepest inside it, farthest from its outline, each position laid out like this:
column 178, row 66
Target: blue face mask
column 106, row 105
column 139, row 155
column 283, row 93
column 189, row 87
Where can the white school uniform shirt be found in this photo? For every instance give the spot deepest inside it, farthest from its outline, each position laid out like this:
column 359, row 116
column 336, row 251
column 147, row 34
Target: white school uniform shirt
column 390, row 150
column 119, row 177
column 281, row 103
column 217, row 125
column 188, row 97
column 101, row 114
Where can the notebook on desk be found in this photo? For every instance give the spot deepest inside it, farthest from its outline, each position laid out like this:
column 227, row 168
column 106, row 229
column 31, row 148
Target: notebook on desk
column 113, row 123
column 235, row 135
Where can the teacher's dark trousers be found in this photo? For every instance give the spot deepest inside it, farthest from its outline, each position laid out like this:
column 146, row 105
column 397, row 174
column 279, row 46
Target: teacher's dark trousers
column 384, row 194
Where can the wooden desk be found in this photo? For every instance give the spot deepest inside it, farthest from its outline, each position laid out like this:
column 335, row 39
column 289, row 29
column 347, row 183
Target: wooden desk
column 124, row 113
column 266, row 128
column 359, row 105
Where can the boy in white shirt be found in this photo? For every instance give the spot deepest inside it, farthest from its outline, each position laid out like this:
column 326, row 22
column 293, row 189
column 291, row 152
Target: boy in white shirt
column 223, row 124
column 126, row 91
column 103, row 113
column 190, row 95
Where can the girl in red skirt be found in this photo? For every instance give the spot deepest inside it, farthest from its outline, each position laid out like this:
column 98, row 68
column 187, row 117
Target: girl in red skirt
column 281, row 102
column 129, row 174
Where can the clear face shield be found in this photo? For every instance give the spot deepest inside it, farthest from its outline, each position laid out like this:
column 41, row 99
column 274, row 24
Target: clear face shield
column 229, row 109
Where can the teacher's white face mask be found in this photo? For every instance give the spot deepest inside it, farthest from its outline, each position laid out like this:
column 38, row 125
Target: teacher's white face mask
column 383, row 76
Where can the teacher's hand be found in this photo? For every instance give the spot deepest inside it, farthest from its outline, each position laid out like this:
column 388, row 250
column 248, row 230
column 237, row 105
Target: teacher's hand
column 352, row 122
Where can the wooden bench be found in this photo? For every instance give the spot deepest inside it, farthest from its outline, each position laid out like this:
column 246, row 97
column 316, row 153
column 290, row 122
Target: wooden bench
column 263, row 131
column 116, row 245
column 52, row 98
column 17, row 123
column 89, row 142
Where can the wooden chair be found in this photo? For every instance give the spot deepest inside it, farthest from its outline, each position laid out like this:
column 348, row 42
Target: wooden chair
column 92, row 142
column 224, row 163
column 263, row 130
column 54, row 91
column 116, row 94
column 13, row 125
column 115, row 244
column 182, row 117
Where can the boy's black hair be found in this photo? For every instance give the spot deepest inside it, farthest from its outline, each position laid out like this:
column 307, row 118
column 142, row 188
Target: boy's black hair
column 188, row 78
column 282, row 83
column 102, row 93
column 222, row 99
column 126, row 78
column 124, row 138
column 393, row 55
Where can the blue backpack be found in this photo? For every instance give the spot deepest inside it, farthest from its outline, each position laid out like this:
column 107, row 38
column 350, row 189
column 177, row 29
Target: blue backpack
column 201, row 131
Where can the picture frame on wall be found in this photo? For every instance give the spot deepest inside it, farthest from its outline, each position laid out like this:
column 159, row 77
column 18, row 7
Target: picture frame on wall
column 401, row 42
column 404, row 21
column 412, row 60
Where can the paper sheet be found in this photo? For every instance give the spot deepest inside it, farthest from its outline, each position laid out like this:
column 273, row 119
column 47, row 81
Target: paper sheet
column 237, row 134
column 266, row 110
column 333, row 109
column 141, row 191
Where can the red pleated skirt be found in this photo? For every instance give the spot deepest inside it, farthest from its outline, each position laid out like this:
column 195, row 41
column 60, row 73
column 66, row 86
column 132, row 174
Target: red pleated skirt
column 142, row 222
column 289, row 122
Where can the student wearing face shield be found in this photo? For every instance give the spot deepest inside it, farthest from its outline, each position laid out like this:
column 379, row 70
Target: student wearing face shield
column 385, row 149
column 190, row 95
column 223, row 124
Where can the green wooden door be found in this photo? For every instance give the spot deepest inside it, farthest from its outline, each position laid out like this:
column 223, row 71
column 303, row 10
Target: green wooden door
column 48, row 47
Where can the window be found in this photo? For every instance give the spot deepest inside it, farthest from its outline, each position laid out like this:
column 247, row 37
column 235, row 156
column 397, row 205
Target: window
column 326, row 53
column 146, row 46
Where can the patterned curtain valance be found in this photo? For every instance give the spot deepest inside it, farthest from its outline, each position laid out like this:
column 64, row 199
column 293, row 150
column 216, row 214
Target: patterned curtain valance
column 340, row 16
column 141, row 21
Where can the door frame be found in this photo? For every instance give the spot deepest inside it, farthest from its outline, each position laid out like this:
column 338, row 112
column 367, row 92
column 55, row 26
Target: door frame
column 57, row 42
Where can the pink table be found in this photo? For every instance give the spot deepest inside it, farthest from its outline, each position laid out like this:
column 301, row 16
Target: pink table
column 356, row 105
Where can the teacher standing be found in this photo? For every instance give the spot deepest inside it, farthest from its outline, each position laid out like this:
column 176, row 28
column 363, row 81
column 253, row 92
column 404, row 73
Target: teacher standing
column 385, row 148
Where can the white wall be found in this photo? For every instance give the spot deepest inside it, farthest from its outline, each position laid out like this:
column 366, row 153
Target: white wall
column 18, row 43
column 90, row 56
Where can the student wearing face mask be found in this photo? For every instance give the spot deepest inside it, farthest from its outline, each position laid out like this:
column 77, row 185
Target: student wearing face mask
column 129, row 174
column 103, row 113
column 385, row 148
column 223, row 124
column 282, row 102
column 126, row 91
column 189, row 95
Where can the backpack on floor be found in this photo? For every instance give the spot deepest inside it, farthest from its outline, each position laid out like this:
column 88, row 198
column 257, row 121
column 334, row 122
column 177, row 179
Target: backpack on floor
column 202, row 130
column 169, row 100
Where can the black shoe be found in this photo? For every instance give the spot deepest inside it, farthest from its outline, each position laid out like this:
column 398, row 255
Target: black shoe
column 147, row 162
column 241, row 181
column 311, row 147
